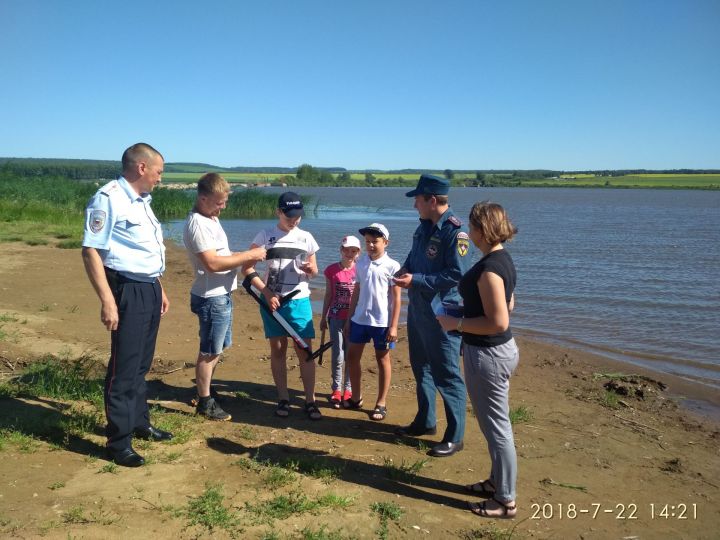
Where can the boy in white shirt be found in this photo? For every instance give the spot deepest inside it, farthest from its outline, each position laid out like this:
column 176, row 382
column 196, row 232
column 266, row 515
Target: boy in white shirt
column 375, row 308
column 290, row 265
column 215, row 269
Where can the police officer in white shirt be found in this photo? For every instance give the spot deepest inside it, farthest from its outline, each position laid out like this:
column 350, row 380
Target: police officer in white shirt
column 124, row 257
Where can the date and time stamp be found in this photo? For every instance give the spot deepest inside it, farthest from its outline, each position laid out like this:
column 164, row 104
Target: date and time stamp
column 619, row 511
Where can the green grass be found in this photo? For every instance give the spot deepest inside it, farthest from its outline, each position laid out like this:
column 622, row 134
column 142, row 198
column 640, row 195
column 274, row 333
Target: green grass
column 76, row 514
column 610, row 400
column 51, row 210
column 181, row 425
column 487, row 532
column 16, row 438
column 404, row 472
column 293, row 503
column 520, row 414
column 386, row 511
column 207, row 510
column 111, row 468
column 278, row 477
column 316, row 468
column 79, row 422
column 73, row 380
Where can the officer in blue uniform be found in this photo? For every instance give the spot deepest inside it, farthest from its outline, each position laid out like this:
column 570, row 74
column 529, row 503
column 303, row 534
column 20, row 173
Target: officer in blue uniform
column 438, row 258
column 124, row 257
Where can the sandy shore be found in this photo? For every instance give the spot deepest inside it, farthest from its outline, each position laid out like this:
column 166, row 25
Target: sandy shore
column 586, row 470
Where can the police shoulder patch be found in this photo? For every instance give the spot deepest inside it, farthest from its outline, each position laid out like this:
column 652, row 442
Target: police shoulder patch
column 108, row 188
column 455, row 221
column 97, row 220
column 463, row 236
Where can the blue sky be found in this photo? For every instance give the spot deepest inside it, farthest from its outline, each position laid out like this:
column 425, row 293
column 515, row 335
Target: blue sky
column 378, row 84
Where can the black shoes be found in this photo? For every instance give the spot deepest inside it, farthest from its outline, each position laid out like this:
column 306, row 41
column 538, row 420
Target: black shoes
column 126, row 457
column 445, row 449
column 151, row 433
column 413, row 431
column 212, row 411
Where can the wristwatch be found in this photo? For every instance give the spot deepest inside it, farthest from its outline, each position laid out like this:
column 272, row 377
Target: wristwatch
column 459, row 325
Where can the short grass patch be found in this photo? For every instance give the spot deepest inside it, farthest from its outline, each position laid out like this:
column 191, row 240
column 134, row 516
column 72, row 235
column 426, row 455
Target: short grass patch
column 208, row 510
column 295, row 502
column 51, row 377
column 316, row 468
column 486, row 532
column 610, row 400
column 110, row 468
column 247, row 433
column 520, row 414
column 403, row 472
column 278, row 477
column 387, row 512
column 181, row 425
column 15, row 438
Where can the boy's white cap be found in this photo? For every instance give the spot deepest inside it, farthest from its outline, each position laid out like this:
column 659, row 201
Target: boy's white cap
column 350, row 241
column 377, row 228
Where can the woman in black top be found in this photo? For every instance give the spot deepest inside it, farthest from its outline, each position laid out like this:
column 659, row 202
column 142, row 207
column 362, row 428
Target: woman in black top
column 490, row 354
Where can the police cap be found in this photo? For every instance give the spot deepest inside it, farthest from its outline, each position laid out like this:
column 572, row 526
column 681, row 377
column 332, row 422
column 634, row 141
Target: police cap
column 430, row 185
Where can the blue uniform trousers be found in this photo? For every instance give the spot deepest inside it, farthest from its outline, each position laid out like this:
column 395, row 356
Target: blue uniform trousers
column 131, row 353
column 435, row 361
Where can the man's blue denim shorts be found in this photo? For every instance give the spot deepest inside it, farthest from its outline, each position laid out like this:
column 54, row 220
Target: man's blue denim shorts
column 363, row 333
column 215, row 314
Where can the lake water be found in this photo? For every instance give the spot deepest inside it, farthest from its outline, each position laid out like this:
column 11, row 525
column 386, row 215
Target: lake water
column 630, row 274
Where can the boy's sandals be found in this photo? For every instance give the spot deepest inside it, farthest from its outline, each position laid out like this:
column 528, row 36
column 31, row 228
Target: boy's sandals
column 503, row 511
column 484, row 489
column 378, row 413
column 312, row 411
column 283, row 408
column 352, row 404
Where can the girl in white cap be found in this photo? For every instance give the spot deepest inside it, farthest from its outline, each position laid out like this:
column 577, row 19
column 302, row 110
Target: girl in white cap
column 339, row 285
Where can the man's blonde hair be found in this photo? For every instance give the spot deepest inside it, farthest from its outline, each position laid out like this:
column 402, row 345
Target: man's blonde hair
column 212, row 184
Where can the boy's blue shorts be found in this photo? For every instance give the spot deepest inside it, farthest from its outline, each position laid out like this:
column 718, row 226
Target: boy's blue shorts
column 296, row 312
column 362, row 333
column 216, row 315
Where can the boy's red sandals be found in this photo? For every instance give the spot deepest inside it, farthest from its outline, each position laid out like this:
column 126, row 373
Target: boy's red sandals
column 378, row 413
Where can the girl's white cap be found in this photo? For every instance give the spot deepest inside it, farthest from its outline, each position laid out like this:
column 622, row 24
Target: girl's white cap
column 350, row 241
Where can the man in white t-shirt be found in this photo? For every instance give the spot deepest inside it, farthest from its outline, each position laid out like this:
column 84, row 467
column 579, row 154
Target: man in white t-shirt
column 215, row 269
column 290, row 265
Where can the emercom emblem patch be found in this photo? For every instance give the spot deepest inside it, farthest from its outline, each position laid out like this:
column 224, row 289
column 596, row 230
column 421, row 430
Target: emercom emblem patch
column 463, row 244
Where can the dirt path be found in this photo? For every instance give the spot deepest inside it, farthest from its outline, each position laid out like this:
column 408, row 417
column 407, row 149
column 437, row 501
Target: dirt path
column 586, row 470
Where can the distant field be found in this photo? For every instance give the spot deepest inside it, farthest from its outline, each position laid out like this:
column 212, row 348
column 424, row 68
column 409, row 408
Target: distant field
column 192, row 177
column 700, row 181
column 680, row 181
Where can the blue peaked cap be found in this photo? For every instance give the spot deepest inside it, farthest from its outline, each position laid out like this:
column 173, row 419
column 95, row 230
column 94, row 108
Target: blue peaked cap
column 430, row 185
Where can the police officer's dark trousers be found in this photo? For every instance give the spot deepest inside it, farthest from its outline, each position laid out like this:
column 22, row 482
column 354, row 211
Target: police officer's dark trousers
column 131, row 354
column 435, row 361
